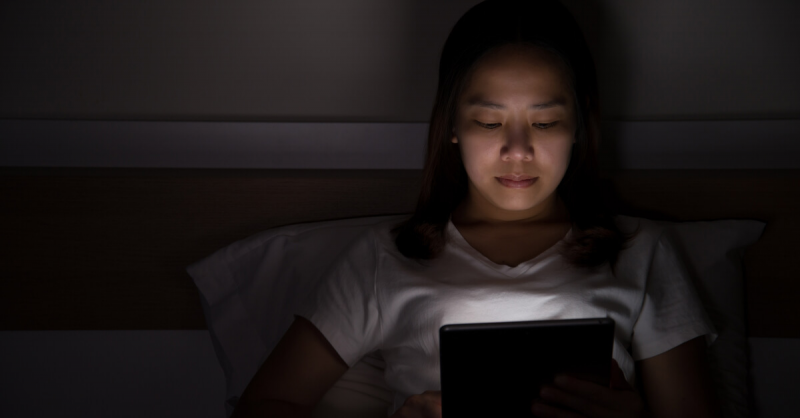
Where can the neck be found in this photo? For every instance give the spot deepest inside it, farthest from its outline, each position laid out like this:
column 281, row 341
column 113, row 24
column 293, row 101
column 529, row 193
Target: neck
column 552, row 210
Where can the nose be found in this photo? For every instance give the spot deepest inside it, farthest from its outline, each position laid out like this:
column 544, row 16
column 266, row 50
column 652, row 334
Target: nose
column 518, row 145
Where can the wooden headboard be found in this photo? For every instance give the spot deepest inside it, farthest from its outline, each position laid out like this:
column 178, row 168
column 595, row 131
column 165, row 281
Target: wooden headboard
column 107, row 248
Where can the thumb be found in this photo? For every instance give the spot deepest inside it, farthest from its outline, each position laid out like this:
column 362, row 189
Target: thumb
column 618, row 378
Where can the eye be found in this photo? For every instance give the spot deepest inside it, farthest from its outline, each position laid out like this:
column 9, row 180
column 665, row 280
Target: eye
column 487, row 125
column 544, row 125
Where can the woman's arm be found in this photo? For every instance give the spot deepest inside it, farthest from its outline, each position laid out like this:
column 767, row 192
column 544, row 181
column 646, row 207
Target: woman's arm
column 295, row 376
column 677, row 383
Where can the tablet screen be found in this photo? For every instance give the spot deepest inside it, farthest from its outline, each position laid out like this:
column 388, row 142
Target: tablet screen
column 496, row 369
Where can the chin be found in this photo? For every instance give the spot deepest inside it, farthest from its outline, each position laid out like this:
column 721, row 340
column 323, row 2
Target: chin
column 516, row 206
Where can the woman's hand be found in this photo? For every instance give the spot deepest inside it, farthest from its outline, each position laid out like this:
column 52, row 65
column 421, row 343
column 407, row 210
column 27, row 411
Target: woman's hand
column 426, row 405
column 570, row 397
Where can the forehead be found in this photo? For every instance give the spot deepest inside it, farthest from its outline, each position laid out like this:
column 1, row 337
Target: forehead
column 518, row 71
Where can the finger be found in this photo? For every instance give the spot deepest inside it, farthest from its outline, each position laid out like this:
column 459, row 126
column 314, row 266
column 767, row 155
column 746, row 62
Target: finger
column 544, row 410
column 434, row 396
column 427, row 404
column 618, row 380
column 555, row 396
column 417, row 402
column 583, row 388
column 601, row 398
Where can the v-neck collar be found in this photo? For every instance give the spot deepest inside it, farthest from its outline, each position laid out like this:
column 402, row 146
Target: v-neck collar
column 513, row 272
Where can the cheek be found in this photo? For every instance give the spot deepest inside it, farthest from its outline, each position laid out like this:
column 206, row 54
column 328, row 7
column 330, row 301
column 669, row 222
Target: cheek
column 479, row 159
column 556, row 155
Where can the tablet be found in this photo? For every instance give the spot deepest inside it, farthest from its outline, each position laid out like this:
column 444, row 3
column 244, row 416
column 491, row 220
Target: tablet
column 496, row 369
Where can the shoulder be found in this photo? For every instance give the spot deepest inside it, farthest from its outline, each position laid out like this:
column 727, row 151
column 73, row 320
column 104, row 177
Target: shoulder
column 367, row 245
column 368, row 233
column 643, row 233
column 646, row 238
column 376, row 249
column 639, row 228
column 382, row 235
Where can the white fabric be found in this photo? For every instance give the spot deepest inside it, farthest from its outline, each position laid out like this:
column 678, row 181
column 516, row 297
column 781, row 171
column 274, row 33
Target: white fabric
column 713, row 252
column 251, row 288
column 376, row 299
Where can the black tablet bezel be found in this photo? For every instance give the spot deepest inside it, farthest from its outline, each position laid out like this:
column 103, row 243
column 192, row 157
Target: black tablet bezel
column 496, row 369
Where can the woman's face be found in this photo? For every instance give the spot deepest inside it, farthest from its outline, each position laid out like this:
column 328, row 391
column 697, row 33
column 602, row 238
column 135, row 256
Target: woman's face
column 515, row 126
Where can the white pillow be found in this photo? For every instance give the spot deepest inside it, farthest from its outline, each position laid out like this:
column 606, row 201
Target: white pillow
column 250, row 288
column 249, row 291
column 713, row 254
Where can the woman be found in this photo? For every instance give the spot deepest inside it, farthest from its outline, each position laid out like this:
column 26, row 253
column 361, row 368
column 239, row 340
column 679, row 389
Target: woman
column 509, row 226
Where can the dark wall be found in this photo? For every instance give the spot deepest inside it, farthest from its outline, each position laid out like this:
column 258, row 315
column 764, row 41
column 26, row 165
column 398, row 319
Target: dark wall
column 364, row 60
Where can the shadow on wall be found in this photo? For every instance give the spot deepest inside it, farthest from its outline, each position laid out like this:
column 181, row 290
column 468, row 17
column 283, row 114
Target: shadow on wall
column 610, row 49
column 430, row 22
column 613, row 64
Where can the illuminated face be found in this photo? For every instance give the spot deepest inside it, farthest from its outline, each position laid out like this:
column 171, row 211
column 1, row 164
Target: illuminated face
column 515, row 127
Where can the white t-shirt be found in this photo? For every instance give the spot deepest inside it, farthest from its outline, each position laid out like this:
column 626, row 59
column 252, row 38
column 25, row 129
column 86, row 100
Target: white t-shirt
column 376, row 299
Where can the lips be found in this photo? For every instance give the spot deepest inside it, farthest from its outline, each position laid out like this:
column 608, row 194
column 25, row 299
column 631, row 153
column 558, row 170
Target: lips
column 516, row 181
column 516, row 177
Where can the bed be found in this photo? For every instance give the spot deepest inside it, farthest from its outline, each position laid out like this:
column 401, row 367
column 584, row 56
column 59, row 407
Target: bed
column 105, row 249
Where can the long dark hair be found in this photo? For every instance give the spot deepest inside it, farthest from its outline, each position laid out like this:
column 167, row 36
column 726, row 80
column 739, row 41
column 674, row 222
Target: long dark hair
column 485, row 27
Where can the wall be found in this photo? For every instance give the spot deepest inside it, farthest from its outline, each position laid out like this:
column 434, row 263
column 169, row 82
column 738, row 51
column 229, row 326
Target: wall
column 363, row 60
column 337, row 61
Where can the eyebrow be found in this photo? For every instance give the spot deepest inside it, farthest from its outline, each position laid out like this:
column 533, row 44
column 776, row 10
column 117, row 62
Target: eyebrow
column 491, row 105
